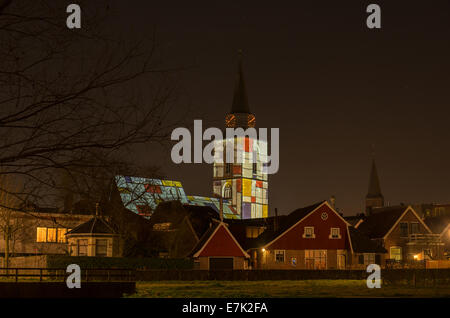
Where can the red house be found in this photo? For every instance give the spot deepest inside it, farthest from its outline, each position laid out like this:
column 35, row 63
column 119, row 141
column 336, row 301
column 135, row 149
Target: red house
column 218, row 249
column 314, row 237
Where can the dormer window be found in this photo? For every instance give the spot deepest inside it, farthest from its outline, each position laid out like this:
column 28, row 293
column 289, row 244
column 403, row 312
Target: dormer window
column 335, row 233
column 309, row 232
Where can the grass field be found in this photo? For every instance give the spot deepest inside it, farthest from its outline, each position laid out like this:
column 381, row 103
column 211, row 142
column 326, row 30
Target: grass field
column 261, row 289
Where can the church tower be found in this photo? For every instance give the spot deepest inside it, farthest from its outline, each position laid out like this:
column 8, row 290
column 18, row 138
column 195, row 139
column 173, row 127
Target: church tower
column 374, row 198
column 243, row 184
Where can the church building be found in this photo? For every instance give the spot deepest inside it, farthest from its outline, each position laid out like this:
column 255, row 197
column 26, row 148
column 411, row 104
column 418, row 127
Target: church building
column 243, row 181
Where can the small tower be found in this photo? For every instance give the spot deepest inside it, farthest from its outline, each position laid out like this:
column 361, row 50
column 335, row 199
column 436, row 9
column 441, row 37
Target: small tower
column 374, row 198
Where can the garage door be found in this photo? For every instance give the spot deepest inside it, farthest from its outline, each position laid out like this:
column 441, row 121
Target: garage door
column 220, row 263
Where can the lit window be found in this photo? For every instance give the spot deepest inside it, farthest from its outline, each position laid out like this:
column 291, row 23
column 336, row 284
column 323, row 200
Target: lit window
column 335, row 233
column 101, row 247
column 279, row 256
column 316, row 259
column 51, row 234
column 162, row 226
column 309, row 232
column 41, row 235
column 62, row 235
column 396, row 253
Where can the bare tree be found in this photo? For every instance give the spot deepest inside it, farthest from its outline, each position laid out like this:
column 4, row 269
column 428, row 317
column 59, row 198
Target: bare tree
column 12, row 198
column 68, row 95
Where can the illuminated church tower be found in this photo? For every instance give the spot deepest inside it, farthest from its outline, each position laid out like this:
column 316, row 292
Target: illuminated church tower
column 244, row 184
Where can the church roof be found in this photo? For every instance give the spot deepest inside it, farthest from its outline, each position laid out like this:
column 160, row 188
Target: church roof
column 240, row 100
column 374, row 183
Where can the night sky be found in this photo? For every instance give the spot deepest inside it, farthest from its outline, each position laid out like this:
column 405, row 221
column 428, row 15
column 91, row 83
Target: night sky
column 332, row 86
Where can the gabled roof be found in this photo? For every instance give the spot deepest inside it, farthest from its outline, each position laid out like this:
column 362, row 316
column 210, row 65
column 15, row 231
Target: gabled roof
column 96, row 225
column 363, row 244
column 230, row 248
column 380, row 223
column 438, row 224
column 284, row 223
column 374, row 190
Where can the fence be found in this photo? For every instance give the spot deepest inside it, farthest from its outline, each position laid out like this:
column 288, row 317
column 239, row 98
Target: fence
column 415, row 277
column 60, row 274
column 389, row 276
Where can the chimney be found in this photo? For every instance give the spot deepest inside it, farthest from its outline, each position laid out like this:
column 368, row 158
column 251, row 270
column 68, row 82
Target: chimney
column 333, row 202
column 275, row 221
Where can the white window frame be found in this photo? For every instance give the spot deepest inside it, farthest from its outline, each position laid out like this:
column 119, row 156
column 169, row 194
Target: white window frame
column 338, row 233
column 277, row 252
column 313, row 235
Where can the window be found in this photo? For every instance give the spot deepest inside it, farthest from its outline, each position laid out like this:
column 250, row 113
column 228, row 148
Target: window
column 335, row 233
column 316, row 259
column 162, row 226
column 396, row 253
column 101, row 247
column 369, row 258
column 279, row 256
column 227, row 192
column 414, row 228
column 255, row 168
column 41, row 234
column 51, row 235
column 361, row 259
column 62, row 235
column 403, row 229
column 309, row 232
column 228, row 168
column 82, row 247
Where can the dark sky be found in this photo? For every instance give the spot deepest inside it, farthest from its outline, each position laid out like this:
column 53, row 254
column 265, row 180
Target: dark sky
column 331, row 85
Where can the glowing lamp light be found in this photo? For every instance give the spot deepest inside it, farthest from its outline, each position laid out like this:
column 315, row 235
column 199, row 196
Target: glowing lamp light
column 416, row 257
column 263, row 250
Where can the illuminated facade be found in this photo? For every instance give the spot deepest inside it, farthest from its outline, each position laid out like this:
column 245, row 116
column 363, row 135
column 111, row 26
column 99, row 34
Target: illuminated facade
column 243, row 182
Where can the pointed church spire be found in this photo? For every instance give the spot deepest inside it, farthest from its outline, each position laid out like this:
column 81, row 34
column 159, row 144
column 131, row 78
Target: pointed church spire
column 240, row 101
column 374, row 183
column 374, row 198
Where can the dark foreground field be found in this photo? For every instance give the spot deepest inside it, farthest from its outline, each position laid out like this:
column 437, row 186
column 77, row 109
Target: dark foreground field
column 303, row 288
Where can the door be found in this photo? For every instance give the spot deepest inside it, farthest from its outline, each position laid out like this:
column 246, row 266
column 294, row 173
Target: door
column 341, row 261
column 218, row 263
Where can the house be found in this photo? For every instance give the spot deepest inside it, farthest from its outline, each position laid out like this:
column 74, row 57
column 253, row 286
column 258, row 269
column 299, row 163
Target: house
column 403, row 233
column 441, row 225
column 95, row 238
column 313, row 237
column 40, row 231
column 218, row 249
column 176, row 228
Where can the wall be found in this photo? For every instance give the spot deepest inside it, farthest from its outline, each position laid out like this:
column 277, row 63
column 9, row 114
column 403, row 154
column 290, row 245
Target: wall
column 24, row 242
column 293, row 239
column 395, row 239
column 113, row 250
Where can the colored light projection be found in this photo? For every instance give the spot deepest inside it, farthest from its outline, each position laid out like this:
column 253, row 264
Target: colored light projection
column 244, row 182
column 142, row 196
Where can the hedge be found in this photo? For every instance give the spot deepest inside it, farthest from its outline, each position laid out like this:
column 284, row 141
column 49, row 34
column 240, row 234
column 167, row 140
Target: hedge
column 89, row 262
